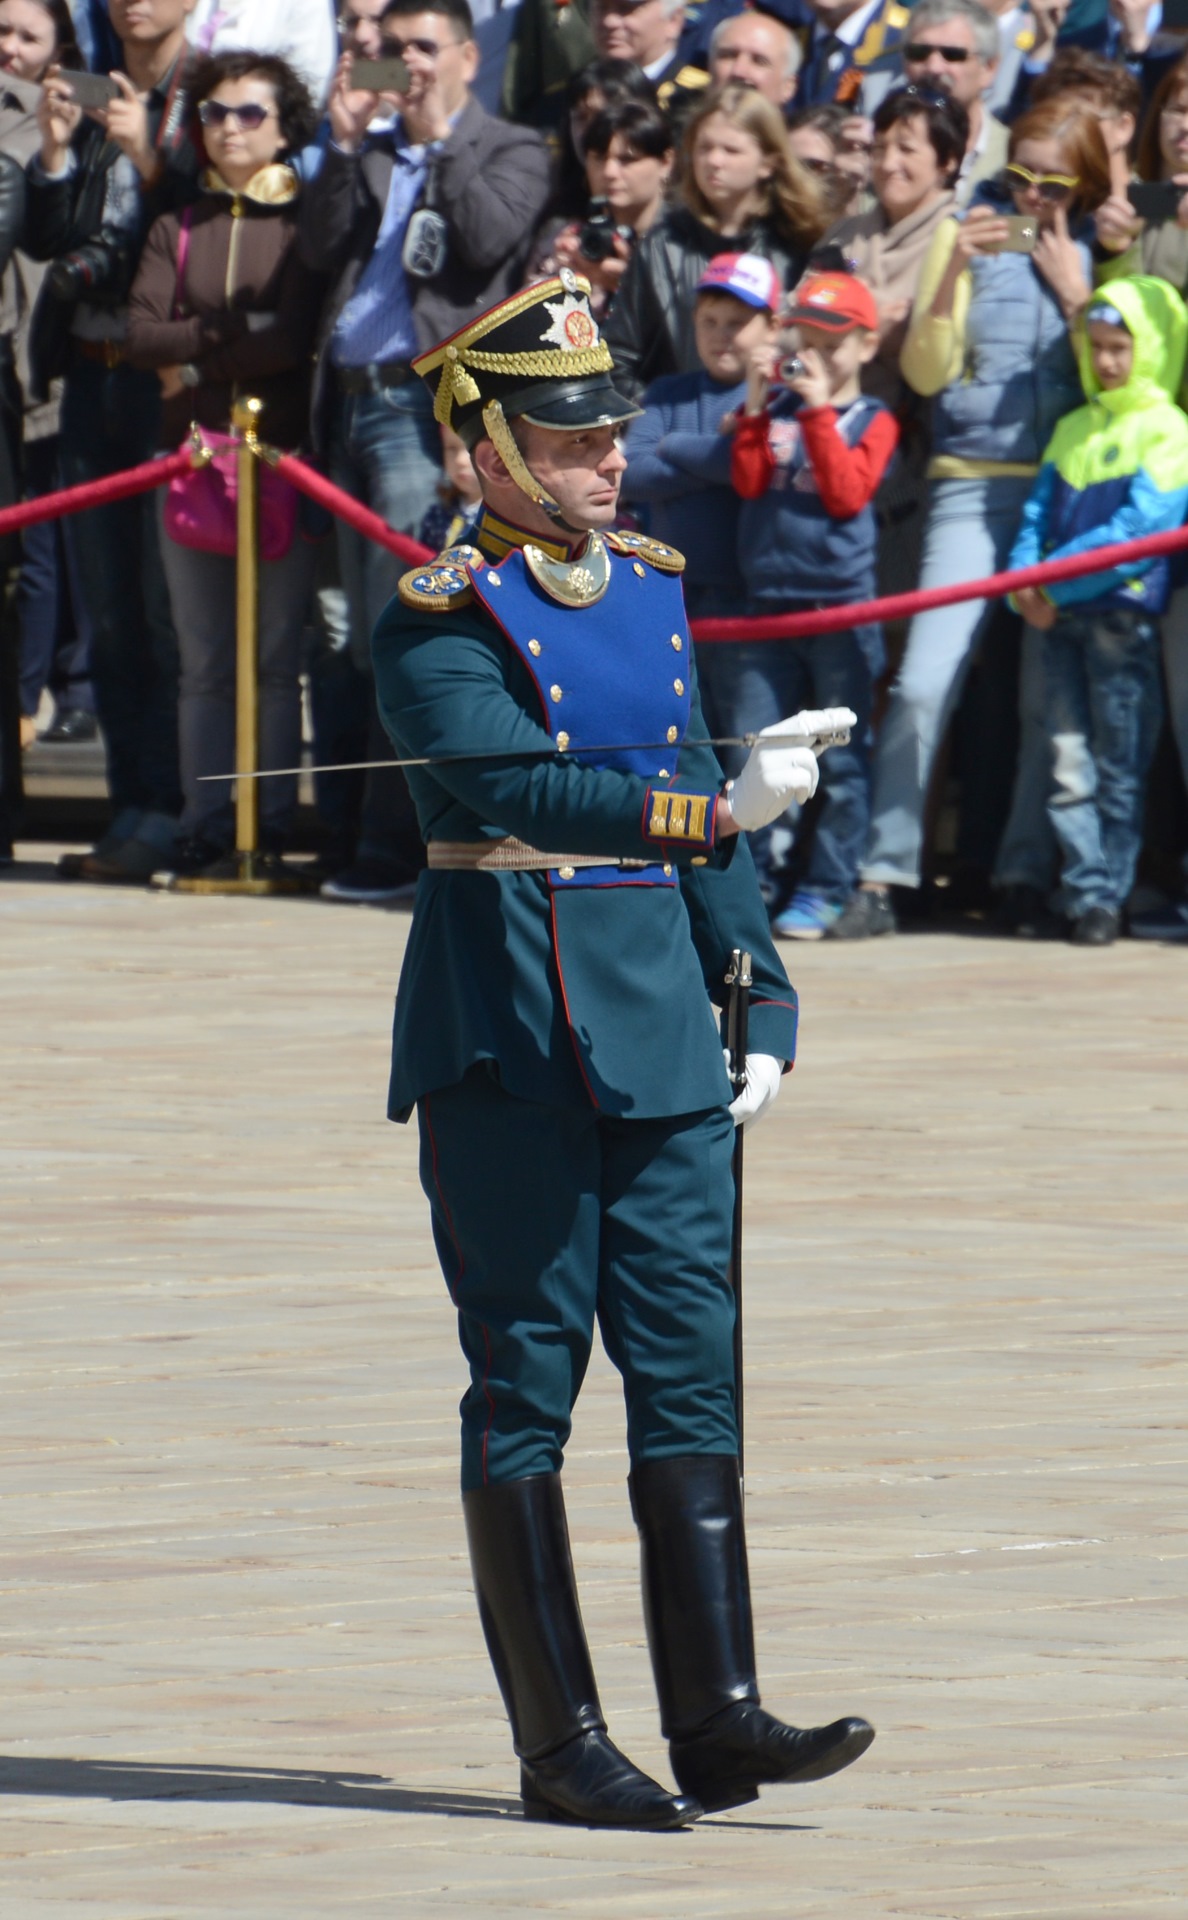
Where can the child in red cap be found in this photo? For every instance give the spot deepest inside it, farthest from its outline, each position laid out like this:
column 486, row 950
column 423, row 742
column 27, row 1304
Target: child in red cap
column 808, row 454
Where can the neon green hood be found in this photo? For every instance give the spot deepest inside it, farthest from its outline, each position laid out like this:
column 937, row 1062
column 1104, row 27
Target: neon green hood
column 1157, row 321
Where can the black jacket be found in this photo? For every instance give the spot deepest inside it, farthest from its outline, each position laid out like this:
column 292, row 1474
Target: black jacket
column 63, row 215
column 650, row 327
column 491, row 185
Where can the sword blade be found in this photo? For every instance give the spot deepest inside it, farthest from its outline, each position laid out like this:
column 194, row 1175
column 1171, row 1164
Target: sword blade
column 817, row 741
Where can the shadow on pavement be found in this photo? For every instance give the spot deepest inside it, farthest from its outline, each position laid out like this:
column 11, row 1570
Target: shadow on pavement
column 271, row 1786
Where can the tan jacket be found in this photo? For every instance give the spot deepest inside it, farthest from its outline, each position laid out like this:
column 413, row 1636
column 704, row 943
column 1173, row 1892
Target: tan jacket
column 889, row 259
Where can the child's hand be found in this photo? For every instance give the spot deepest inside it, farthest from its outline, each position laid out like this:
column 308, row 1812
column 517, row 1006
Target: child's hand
column 1035, row 609
column 813, row 384
column 761, row 365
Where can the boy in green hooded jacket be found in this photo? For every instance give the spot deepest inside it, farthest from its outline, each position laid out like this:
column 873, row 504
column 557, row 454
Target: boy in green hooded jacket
column 1113, row 470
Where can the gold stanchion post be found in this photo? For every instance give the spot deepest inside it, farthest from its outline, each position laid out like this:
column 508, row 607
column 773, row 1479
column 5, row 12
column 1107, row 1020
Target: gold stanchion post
column 244, row 871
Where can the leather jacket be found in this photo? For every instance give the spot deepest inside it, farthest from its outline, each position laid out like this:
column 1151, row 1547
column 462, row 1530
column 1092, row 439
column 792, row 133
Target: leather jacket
column 650, row 327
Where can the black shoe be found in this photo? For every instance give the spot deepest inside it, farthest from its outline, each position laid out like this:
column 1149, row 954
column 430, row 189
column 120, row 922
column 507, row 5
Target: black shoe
column 1099, row 927
column 70, row 725
column 370, row 883
column 745, row 1749
column 697, row 1604
column 527, row 1597
column 1023, row 913
column 589, row 1783
column 866, row 914
column 196, row 855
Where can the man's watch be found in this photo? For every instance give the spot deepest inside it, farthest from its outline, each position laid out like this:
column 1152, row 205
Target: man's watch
column 189, row 375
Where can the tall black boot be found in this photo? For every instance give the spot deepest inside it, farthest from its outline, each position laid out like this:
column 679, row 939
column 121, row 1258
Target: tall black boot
column 523, row 1577
column 697, row 1604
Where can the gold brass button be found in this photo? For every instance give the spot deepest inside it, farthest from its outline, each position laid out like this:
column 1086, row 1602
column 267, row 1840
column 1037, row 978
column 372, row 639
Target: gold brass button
column 636, row 568
column 493, row 580
column 667, row 871
column 563, row 741
column 534, row 646
column 676, row 642
column 699, row 860
column 566, row 872
column 554, row 693
column 678, row 686
column 671, row 736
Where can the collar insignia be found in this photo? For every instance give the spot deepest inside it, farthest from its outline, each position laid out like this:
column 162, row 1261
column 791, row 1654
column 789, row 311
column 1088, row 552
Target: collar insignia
column 573, row 583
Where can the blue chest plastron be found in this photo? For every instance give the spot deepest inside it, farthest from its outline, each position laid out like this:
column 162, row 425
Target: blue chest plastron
column 617, row 670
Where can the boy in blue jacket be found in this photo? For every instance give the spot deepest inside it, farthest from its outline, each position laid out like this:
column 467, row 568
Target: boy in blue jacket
column 678, row 449
column 1113, row 470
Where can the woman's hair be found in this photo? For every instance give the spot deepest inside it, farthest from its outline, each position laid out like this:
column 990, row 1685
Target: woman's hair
column 790, row 199
column 1077, row 73
column 66, row 48
column 1075, row 128
column 295, row 112
column 643, row 127
column 613, row 79
column 1150, row 150
column 827, row 117
column 945, row 121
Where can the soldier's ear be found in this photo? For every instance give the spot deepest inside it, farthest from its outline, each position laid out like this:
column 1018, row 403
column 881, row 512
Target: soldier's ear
column 489, row 465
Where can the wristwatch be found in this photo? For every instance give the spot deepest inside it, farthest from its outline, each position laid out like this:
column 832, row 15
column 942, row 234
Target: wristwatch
column 189, row 375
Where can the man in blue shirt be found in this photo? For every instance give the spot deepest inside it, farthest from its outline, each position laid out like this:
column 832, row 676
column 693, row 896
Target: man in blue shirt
column 423, row 207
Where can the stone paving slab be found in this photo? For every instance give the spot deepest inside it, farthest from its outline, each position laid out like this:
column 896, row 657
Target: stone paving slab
column 241, row 1668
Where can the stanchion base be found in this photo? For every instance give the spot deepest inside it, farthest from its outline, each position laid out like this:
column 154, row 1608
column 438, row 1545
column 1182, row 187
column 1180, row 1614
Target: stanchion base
column 244, row 873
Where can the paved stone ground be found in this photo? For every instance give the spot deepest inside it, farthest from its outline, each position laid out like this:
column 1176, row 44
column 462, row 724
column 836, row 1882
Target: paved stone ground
column 241, row 1669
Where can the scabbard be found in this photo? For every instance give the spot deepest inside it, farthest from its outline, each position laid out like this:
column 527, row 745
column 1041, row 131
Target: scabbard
column 738, row 979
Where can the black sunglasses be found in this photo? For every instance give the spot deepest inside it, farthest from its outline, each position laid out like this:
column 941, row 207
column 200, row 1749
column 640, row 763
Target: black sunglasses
column 396, row 49
column 916, row 51
column 213, row 113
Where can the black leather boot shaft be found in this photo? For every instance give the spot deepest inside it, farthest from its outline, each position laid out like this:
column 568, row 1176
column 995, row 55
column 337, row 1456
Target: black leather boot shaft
column 697, row 1595
column 527, row 1599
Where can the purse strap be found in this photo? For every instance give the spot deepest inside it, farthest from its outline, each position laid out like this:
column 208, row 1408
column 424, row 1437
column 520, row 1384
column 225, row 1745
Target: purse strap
column 183, row 254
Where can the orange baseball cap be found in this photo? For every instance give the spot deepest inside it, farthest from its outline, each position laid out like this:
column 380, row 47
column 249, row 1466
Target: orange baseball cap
column 836, row 302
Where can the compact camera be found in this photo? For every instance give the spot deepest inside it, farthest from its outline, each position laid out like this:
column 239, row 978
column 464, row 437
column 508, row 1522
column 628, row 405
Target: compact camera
column 790, row 368
column 596, row 241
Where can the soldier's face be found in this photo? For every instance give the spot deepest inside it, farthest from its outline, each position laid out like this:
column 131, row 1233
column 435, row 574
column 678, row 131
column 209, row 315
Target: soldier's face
column 581, row 470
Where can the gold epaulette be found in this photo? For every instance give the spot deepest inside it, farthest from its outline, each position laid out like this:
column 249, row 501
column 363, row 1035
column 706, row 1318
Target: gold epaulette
column 440, row 585
column 654, row 552
column 898, row 16
column 691, row 78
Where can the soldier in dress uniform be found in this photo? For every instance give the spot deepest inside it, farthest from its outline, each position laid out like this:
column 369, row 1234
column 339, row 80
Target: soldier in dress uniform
column 552, row 1031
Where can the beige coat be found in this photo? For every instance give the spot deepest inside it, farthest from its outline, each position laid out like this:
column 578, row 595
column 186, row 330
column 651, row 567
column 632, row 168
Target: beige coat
column 889, row 258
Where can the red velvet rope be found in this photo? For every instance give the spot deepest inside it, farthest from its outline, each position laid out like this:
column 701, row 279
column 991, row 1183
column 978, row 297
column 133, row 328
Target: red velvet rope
column 900, row 606
column 352, row 511
column 786, row 626
column 94, row 493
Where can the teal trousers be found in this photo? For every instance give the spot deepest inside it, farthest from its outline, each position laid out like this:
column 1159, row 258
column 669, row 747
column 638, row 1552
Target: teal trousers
column 548, row 1219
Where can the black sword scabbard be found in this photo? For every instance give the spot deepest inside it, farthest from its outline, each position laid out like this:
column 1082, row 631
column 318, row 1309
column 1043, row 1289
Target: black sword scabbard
column 738, row 1010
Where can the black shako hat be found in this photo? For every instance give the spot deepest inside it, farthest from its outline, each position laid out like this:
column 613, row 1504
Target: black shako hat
column 537, row 356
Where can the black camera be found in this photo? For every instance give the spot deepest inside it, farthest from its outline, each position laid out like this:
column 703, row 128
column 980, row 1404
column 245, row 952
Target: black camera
column 596, row 240
column 101, row 269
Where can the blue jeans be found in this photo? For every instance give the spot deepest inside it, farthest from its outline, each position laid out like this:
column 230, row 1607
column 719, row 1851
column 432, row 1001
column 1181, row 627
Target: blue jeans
column 971, row 528
column 1175, row 669
column 110, row 420
column 55, row 630
column 385, row 449
column 760, row 681
column 1101, row 673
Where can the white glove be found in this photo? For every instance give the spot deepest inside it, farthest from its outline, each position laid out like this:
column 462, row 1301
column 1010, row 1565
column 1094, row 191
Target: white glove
column 764, row 1073
column 773, row 776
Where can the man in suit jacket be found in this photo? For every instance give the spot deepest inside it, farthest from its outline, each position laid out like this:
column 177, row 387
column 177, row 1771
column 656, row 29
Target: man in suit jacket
column 586, row 884
column 423, row 208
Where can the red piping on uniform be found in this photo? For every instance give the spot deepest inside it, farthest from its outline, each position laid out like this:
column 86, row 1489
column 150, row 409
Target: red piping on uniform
column 565, row 1001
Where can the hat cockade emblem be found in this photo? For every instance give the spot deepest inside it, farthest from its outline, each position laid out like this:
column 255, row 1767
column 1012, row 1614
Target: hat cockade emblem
column 572, row 328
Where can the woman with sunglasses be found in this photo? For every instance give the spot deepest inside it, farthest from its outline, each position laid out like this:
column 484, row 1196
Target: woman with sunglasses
column 989, row 341
column 221, row 307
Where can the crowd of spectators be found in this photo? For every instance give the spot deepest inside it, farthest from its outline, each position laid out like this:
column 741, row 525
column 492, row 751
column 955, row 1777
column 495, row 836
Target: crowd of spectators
column 899, row 293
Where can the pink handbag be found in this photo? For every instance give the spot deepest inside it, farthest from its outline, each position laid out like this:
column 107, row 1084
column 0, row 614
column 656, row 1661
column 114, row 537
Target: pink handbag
column 201, row 507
